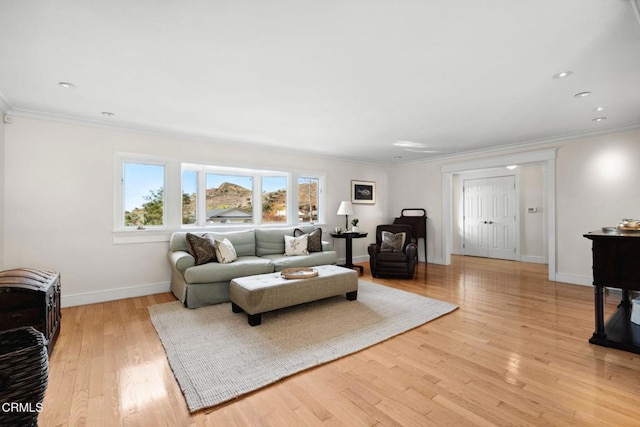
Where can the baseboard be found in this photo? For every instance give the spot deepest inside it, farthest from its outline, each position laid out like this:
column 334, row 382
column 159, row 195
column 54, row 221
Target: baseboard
column 365, row 258
column 574, row 280
column 533, row 259
column 114, row 294
column 356, row 259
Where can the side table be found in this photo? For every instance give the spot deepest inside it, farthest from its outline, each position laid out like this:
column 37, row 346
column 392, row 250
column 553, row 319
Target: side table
column 349, row 248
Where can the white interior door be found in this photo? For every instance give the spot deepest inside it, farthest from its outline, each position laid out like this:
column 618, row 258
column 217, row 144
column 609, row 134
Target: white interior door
column 490, row 217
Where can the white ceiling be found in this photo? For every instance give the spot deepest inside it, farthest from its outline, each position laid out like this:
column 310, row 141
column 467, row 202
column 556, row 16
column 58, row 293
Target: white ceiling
column 346, row 78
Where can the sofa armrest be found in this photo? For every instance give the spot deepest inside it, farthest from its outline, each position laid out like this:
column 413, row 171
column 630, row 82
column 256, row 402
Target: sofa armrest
column 181, row 260
column 327, row 246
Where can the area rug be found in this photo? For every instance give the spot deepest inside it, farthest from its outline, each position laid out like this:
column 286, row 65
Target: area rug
column 216, row 356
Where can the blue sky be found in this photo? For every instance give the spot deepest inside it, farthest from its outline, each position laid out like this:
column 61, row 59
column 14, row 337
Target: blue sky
column 141, row 178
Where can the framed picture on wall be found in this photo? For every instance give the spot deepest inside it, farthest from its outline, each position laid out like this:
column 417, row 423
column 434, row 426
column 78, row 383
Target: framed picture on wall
column 363, row 192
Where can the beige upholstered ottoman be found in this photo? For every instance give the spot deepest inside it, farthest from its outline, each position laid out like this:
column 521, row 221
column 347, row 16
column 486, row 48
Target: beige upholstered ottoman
column 265, row 292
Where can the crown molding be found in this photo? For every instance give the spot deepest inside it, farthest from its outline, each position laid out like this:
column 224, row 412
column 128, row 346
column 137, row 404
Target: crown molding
column 194, row 136
column 525, row 144
column 229, row 139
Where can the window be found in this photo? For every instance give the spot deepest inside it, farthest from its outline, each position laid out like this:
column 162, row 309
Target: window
column 308, row 199
column 189, row 197
column 143, row 194
column 229, row 199
column 159, row 194
column 274, row 199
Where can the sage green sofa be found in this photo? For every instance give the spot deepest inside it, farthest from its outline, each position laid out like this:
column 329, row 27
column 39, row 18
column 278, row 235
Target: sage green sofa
column 259, row 251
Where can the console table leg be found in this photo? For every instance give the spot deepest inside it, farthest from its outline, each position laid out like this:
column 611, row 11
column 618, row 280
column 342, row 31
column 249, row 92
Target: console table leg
column 599, row 335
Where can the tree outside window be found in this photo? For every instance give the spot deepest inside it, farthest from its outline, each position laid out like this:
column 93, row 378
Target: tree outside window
column 308, row 200
column 274, row 199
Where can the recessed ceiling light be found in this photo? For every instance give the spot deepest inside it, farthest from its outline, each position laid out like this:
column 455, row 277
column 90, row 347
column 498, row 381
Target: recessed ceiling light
column 582, row 94
column 108, row 113
column 599, row 119
column 600, row 108
column 512, row 167
column 408, row 144
column 562, row 75
column 66, row 85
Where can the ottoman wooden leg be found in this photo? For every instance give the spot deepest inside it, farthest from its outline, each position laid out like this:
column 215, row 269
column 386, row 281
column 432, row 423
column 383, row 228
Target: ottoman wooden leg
column 254, row 319
column 352, row 296
column 235, row 308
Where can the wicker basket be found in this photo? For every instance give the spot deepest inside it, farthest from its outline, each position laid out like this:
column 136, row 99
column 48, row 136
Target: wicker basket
column 298, row 273
column 24, row 371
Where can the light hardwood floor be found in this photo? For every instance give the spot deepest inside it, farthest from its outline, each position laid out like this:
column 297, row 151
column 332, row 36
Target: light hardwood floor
column 516, row 352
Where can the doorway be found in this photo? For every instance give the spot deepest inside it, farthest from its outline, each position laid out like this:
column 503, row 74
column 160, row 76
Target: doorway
column 490, row 217
column 545, row 157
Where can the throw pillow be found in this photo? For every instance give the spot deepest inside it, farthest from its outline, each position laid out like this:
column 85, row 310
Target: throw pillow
column 314, row 243
column 201, row 248
column 296, row 245
column 392, row 242
column 225, row 252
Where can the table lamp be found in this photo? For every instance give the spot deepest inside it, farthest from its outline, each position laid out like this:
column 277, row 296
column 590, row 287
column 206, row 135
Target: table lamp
column 346, row 209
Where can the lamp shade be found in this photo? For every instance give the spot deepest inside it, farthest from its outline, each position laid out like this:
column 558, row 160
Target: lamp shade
column 346, row 208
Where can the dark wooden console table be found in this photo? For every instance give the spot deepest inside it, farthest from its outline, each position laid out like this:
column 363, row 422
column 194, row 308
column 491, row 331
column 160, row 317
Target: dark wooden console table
column 349, row 248
column 616, row 264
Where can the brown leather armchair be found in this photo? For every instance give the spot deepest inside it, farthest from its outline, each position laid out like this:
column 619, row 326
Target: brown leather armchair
column 392, row 257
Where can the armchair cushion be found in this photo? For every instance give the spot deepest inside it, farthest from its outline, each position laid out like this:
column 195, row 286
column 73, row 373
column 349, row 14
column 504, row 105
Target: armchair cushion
column 392, row 242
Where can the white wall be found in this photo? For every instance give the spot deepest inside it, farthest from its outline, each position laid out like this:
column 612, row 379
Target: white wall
column 596, row 185
column 59, row 202
column 532, row 225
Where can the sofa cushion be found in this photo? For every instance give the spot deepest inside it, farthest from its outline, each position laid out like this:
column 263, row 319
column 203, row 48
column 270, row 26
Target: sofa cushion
column 315, row 239
column 271, row 241
column 296, row 245
column 201, row 248
column 225, row 252
column 216, row 272
column 244, row 242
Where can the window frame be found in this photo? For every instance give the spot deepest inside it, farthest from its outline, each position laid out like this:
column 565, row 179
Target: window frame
column 119, row 205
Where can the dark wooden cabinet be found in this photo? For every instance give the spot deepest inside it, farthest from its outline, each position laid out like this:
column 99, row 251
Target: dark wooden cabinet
column 616, row 264
column 30, row 297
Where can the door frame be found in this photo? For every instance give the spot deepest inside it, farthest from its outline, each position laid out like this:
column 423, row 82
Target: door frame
column 546, row 157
